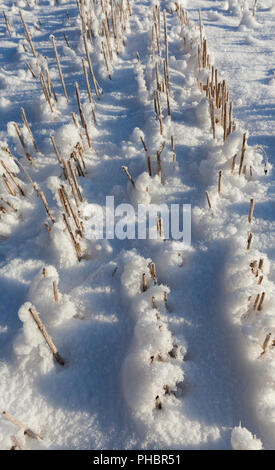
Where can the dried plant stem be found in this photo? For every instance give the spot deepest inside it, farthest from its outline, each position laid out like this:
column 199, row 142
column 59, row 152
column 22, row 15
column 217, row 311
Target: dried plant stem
column 44, row 200
column 213, row 119
column 90, row 64
column 143, row 143
column 208, row 200
column 265, row 344
column 125, row 169
column 144, row 282
column 45, row 90
column 55, row 291
column 29, row 39
column 46, row 336
column 28, row 128
column 75, row 182
column 8, row 185
column 30, row 69
column 56, row 149
column 27, row 431
column 149, row 166
column 249, row 241
column 152, row 268
column 63, row 202
column 8, row 26
column 105, row 60
column 21, row 140
column 166, row 50
column 8, row 204
column 251, row 208
column 220, row 182
column 225, row 133
column 34, row 185
column 260, row 306
column 16, row 444
column 88, row 89
column 12, row 178
column 172, row 143
column 82, row 118
column 243, row 153
column 51, row 89
column 233, row 164
column 67, row 200
column 67, row 174
column 256, row 301
column 59, row 67
column 200, row 20
column 75, row 243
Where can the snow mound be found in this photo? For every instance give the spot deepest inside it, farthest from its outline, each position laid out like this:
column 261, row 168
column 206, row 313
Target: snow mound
column 242, row 439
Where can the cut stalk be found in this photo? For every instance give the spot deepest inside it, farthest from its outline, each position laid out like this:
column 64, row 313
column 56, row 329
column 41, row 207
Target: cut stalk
column 56, row 150
column 251, row 209
column 243, row 153
column 28, row 128
column 125, row 169
column 27, row 431
column 29, row 39
column 12, row 178
column 44, row 200
column 59, row 67
column 208, row 200
column 75, row 243
column 47, row 337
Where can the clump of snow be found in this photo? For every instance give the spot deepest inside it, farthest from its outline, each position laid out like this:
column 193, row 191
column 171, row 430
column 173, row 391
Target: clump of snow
column 242, row 439
column 41, row 294
column 234, row 7
column 30, row 343
column 152, row 369
column 66, row 138
column 247, row 21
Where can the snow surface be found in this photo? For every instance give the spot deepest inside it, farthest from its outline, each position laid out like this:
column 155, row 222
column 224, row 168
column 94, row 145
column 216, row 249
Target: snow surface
column 205, row 352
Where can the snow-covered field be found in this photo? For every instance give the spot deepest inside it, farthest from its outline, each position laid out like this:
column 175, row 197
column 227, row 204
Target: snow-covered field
column 157, row 345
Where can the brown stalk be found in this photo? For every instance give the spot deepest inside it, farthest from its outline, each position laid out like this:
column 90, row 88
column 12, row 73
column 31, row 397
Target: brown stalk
column 233, row 164
column 249, row 241
column 47, row 337
column 27, row 431
column 88, row 89
column 13, row 178
column 45, row 90
column 55, row 291
column 29, row 39
column 208, row 200
column 243, row 153
column 28, row 128
column 75, row 243
column 56, row 150
column 251, row 208
column 220, row 182
column 44, row 200
column 30, row 69
column 260, row 306
column 125, row 169
column 8, row 185
column 75, row 182
column 59, row 67
column 90, row 64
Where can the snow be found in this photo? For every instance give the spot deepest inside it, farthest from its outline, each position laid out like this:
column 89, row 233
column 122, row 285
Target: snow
column 242, row 439
column 176, row 364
